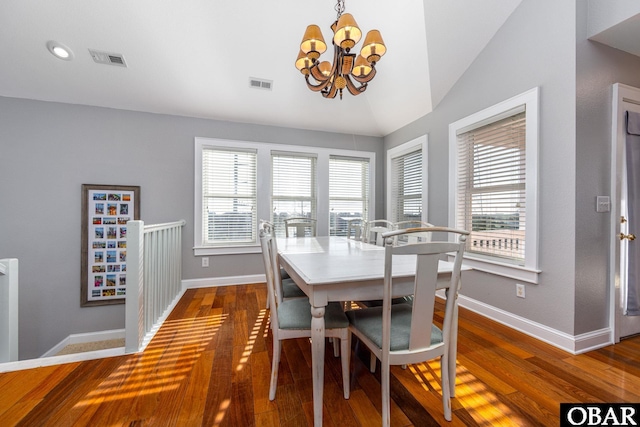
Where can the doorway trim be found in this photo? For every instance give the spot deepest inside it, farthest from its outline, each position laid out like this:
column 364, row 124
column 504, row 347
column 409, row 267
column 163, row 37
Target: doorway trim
column 622, row 94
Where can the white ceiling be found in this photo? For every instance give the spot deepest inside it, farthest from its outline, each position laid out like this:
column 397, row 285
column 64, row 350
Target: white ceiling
column 194, row 58
column 623, row 36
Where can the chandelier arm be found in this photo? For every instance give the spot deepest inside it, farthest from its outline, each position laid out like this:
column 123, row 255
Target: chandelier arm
column 327, row 86
column 318, row 87
column 330, row 92
column 353, row 90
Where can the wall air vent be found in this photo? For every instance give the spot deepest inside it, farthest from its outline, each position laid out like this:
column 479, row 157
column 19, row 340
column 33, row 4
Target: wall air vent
column 108, row 58
column 260, row 83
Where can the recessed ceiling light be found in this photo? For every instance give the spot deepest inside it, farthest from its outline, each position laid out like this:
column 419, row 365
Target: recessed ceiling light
column 59, row 50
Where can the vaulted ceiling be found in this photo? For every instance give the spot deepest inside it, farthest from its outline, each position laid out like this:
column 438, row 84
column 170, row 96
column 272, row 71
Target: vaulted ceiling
column 195, row 58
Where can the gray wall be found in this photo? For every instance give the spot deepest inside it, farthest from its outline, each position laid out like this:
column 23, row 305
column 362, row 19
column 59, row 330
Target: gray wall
column 535, row 47
column 598, row 68
column 48, row 150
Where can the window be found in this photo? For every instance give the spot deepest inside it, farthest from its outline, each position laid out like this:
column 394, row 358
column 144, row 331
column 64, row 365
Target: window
column 348, row 192
column 494, row 184
column 293, row 188
column 229, row 196
column 239, row 183
column 407, row 181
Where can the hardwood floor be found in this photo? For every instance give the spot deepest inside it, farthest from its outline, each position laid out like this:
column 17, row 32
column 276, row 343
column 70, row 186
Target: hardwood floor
column 209, row 365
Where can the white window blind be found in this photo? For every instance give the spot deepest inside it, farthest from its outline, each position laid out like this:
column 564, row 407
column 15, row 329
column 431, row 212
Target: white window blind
column 406, row 187
column 491, row 188
column 293, row 188
column 229, row 197
column 348, row 192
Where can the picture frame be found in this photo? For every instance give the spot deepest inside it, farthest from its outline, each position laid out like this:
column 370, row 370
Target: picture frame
column 105, row 212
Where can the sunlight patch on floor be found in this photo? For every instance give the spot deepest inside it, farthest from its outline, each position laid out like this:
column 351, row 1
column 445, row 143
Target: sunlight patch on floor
column 167, row 360
column 481, row 403
column 255, row 331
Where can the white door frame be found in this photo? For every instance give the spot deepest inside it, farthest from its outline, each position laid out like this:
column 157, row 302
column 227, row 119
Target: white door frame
column 622, row 96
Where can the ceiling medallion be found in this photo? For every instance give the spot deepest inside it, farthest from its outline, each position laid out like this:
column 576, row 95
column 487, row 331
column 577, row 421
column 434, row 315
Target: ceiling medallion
column 348, row 70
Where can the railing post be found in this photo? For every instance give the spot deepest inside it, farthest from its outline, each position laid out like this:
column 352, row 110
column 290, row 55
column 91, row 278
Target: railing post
column 134, row 310
column 8, row 310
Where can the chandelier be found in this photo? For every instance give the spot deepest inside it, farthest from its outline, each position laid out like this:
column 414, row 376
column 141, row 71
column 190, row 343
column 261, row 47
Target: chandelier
column 348, row 70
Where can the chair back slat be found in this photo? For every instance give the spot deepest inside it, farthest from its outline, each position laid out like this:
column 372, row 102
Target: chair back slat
column 424, row 295
column 272, row 272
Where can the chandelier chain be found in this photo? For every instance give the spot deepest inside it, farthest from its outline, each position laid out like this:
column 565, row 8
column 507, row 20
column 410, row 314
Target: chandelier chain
column 339, row 8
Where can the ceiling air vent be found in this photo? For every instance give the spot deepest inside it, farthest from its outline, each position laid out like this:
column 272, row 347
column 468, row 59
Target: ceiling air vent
column 260, row 83
column 108, row 58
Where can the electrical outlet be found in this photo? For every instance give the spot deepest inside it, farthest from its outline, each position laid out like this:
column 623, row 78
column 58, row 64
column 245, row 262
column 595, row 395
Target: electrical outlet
column 519, row 290
column 205, row 261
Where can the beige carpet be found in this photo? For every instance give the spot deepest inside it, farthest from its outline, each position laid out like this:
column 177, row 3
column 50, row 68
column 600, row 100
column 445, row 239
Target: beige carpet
column 91, row 346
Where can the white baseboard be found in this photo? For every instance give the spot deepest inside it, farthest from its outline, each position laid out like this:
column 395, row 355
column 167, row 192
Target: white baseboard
column 86, row 337
column 59, row 360
column 574, row 344
column 223, row 281
column 50, row 358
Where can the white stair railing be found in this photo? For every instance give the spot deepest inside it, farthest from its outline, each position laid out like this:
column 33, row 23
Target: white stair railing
column 154, row 279
column 8, row 310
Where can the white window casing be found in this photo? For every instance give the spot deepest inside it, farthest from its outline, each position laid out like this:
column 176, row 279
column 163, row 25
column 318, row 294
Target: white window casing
column 264, row 155
column 407, row 181
column 293, row 188
column 493, row 186
column 349, row 192
column 229, row 197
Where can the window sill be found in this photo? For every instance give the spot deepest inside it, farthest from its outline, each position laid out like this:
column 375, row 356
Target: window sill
column 226, row 250
column 523, row 274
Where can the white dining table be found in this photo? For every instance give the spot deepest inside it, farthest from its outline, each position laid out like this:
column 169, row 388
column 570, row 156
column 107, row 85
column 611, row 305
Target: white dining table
column 331, row 268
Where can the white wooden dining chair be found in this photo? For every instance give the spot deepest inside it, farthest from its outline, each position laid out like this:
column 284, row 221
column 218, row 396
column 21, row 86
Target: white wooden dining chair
column 304, row 227
column 288, row 286
column 374, row 229
column 291, row 318
column 355, row 229
column 413, row 237
column 400, row 334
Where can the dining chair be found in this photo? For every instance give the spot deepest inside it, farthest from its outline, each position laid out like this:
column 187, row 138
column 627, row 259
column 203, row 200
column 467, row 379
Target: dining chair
column 303, row 227
column 413, row 237
column 355, row 228
column 400, row 334
column 374, row 229
column 291, row 318
column 384, row 226
column 289, row 287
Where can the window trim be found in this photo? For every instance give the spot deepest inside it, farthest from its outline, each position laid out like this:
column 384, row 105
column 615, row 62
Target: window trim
column 264, row 151
column 530, row 99
column 422, row 143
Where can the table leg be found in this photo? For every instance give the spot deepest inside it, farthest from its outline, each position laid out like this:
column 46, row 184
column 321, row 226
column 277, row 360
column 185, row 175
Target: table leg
column 317, row 361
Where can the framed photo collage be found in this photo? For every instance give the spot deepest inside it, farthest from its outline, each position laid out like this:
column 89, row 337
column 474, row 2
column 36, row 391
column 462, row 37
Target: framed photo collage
column 106, row 210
